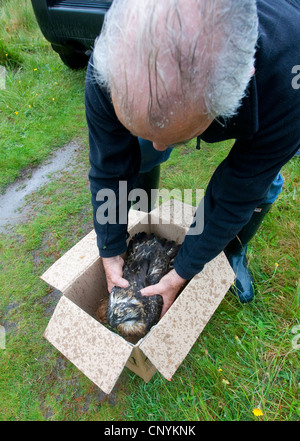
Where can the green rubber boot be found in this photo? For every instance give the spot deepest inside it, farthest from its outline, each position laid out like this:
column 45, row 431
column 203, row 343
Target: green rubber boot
column 236, row 253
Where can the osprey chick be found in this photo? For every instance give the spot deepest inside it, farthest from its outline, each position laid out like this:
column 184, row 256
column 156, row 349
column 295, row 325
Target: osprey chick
column 149, row 259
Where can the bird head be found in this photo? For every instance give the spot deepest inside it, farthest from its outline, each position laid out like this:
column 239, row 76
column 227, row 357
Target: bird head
column 125, row 311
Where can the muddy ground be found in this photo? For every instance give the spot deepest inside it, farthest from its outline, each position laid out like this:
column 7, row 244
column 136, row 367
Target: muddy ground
column 13, row 209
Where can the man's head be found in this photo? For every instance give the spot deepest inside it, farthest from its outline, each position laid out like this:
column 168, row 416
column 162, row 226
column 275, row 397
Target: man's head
column 173, row 66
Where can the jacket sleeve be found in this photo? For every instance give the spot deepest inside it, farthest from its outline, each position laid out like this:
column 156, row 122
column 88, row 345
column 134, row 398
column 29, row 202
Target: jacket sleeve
column 238, row 186
column 114, row 158
column 267, row 134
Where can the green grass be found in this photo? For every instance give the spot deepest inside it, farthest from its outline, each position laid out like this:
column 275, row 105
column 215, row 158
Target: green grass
column 40, row 109
column 244, row 359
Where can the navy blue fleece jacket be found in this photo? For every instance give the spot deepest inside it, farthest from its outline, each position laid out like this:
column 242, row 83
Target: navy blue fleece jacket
column 266, row 129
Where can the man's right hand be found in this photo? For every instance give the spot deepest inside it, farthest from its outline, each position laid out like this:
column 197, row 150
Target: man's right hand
column 113, row 267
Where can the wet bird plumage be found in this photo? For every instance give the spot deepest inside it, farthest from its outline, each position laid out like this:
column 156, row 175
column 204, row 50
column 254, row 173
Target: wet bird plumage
column 148, row 259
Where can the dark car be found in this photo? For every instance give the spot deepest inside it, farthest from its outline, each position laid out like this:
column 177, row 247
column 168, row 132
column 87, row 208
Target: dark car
column 71, row 26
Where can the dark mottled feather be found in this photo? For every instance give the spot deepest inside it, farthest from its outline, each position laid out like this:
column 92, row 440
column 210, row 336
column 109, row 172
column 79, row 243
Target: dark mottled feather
column 149, row 258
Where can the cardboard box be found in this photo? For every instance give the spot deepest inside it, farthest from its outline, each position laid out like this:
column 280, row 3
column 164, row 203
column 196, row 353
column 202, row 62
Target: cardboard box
column 102, row 354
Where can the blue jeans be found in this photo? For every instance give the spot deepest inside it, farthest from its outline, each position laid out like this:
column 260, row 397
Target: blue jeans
column 151, row 157
column 274, row 190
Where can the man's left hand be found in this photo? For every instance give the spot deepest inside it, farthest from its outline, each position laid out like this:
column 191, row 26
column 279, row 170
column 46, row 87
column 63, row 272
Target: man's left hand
column 168, row 287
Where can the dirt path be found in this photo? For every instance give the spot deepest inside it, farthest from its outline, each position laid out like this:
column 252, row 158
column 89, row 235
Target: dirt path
column 13, row 208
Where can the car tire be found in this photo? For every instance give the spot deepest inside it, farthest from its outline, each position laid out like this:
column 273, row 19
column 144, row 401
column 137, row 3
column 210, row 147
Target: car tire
column 75, row 60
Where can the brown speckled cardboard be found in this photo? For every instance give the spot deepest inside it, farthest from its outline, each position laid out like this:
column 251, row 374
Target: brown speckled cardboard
column 102, row 354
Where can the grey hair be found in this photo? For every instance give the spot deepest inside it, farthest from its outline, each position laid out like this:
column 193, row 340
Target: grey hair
column 201, row 54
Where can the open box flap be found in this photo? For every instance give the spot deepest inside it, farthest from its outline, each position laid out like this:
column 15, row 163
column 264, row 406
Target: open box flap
column 173, row 212
column 185, row 320
column 135, row 217
column 100, row 354
column 80, row 257
column 73, row 263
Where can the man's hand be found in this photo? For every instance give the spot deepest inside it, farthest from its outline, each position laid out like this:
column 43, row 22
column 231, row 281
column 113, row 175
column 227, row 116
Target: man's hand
column 168, row 288
column 113, row 267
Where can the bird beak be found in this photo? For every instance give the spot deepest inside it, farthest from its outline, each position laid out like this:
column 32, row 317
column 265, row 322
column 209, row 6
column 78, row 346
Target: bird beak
column 114, row 322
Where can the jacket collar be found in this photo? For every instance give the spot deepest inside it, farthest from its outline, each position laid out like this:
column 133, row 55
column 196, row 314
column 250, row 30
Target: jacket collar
column 243, row 125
